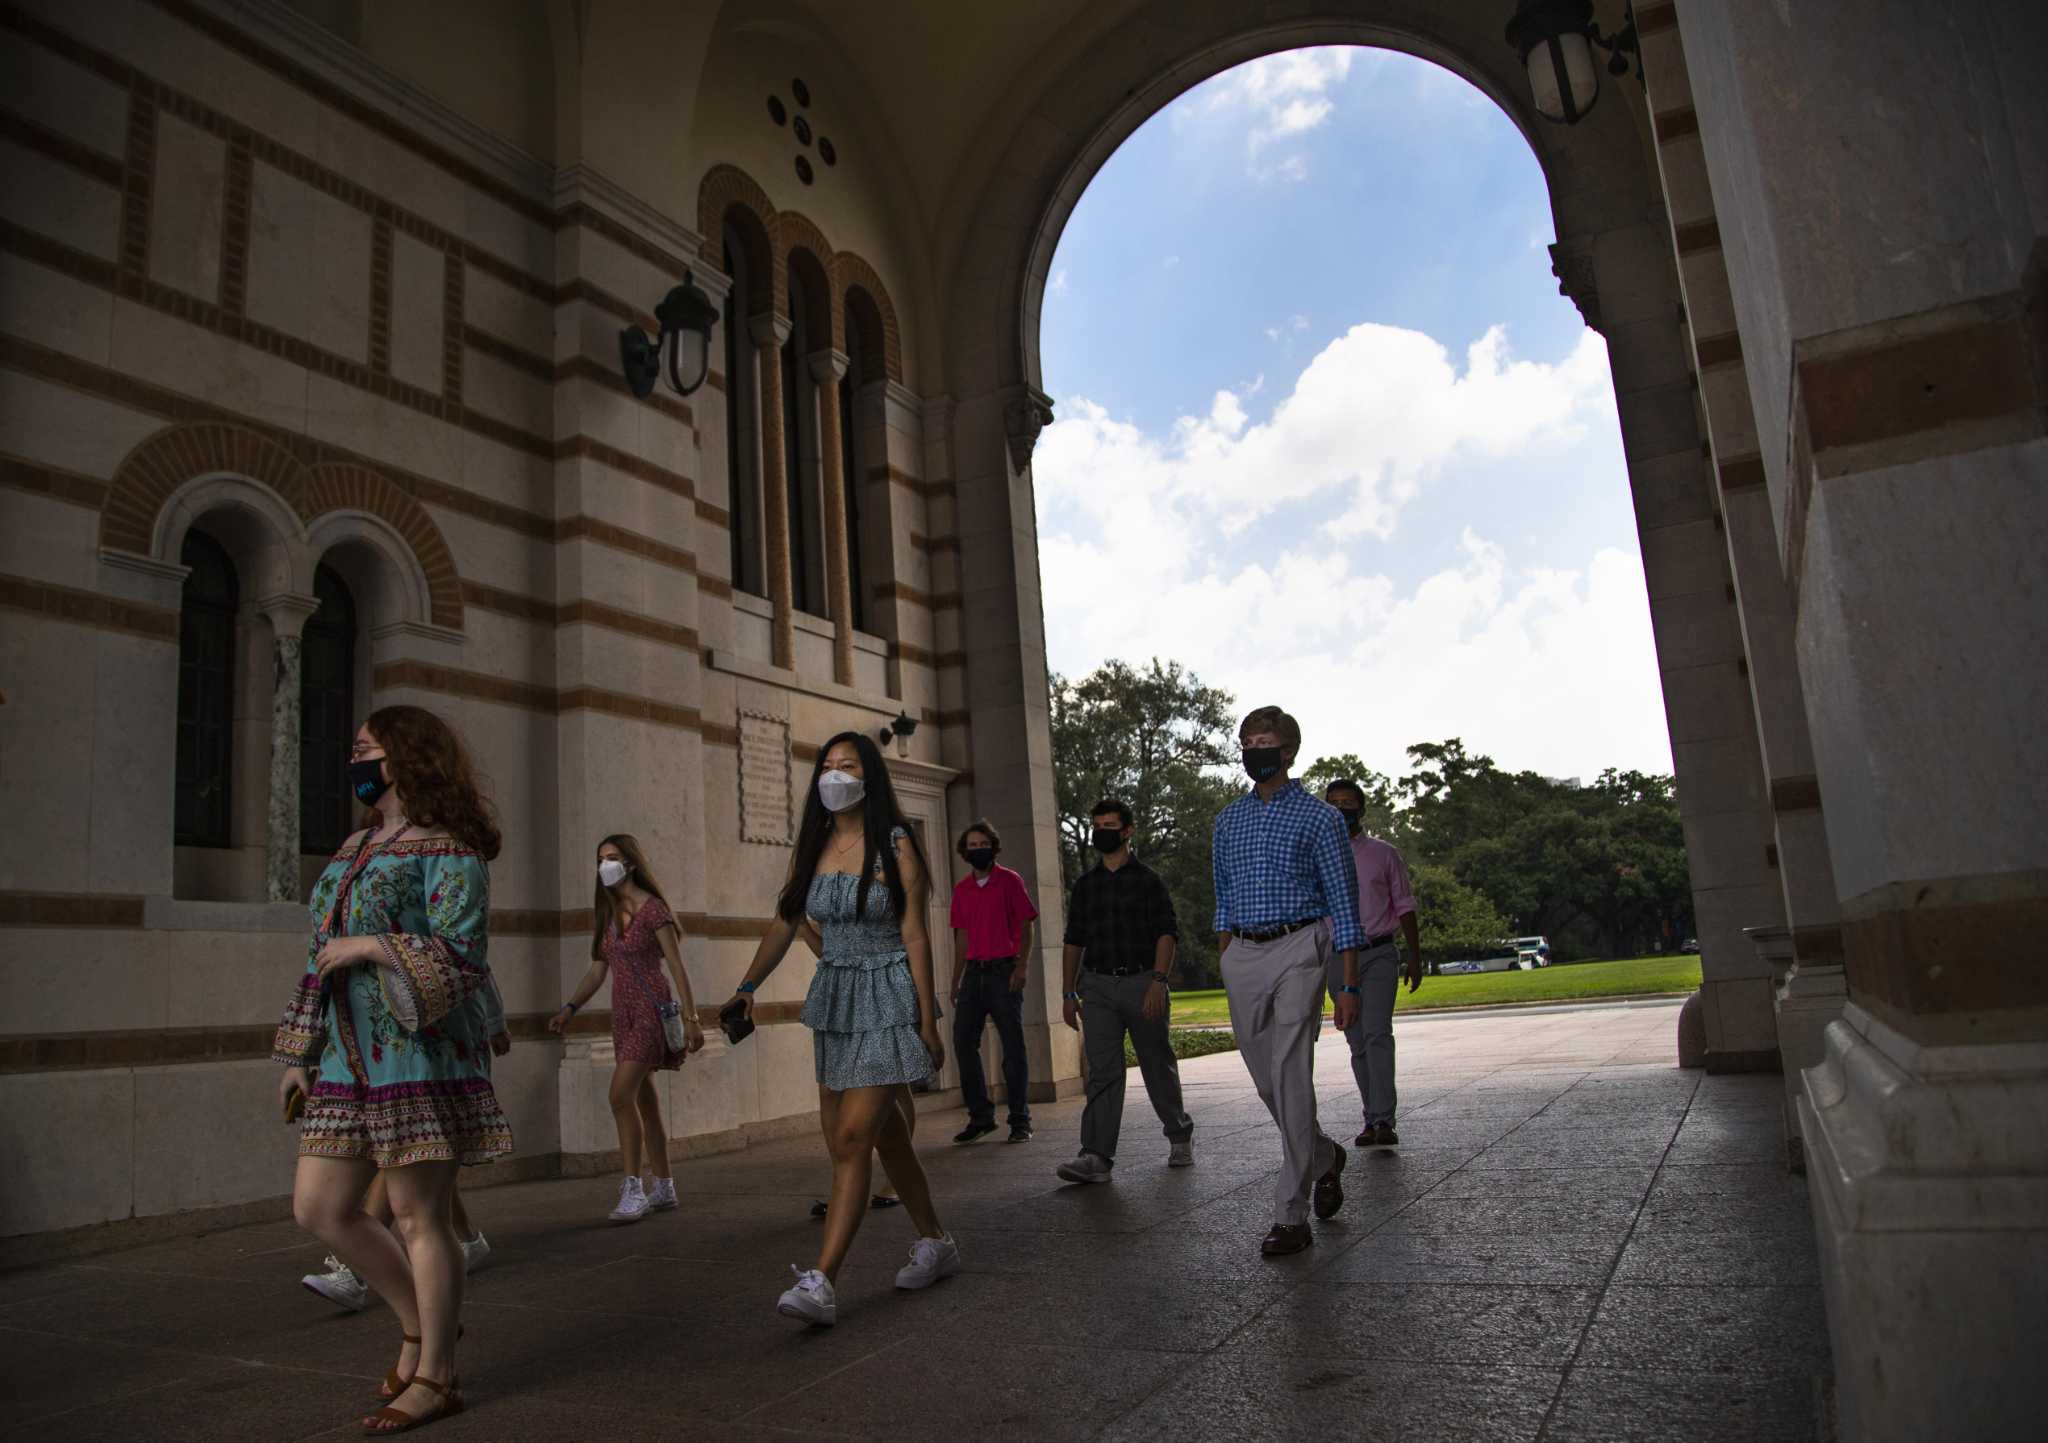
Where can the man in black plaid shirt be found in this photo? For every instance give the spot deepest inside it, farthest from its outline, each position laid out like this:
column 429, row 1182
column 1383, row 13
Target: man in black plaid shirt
column 1120, row 942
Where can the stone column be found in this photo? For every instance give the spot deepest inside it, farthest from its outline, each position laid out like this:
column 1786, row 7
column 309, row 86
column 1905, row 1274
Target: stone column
column 1888, row 285
column 287, row 615
column 770, row 334
column 828, row 368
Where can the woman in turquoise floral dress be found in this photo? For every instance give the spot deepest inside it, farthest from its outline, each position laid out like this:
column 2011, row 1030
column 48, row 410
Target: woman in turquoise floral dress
column 386, row 1048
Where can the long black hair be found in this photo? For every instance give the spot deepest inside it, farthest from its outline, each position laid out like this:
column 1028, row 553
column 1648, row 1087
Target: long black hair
column 881, row 815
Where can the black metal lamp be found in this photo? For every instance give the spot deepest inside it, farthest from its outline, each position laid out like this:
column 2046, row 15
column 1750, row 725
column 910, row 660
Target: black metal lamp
column 686, row 316
column 900, row 730
column 1555, row 40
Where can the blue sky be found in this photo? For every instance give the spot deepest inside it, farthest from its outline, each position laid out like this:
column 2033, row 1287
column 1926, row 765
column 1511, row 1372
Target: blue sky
column 1326, row 432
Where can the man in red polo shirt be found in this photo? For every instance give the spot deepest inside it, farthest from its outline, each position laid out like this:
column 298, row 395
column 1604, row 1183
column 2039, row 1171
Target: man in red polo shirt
column 992, row 917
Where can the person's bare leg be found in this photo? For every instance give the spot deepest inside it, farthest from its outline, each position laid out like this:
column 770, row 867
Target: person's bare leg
column 330, row 1198
column 900, row 1161
column 459, row 1215
column 857, row 1121
column 420, row 1201
column 377, row 1201
column 653, row 1132
column 625, row 1100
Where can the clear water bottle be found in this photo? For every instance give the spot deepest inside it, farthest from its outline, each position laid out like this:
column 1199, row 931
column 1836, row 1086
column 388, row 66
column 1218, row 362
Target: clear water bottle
column 671, row 1014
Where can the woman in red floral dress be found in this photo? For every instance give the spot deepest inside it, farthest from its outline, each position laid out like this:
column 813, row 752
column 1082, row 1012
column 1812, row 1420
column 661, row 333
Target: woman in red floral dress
column 635, row 934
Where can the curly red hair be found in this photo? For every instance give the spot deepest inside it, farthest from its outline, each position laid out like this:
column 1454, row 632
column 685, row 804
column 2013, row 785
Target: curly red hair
column 433, row 774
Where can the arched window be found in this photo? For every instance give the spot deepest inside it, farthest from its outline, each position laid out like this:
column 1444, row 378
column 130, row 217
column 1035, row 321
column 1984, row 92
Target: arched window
column 742, row 428
column 800, row 452
column 851, row 464
column 327, row 714
column 206, row 693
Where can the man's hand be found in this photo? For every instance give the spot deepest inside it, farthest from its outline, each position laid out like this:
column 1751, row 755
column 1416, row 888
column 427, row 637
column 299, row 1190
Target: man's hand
column 1017, row 975
column 1070, row 1011
column 1414, row 970
column 1157, row 994
column 1346, row 1009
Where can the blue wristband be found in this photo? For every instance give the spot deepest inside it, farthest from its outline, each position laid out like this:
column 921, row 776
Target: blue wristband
column 748, row 988
column 1347, row 987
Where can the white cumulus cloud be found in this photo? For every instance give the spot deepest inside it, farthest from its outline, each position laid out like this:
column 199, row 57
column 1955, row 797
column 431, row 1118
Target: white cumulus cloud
column 1174, row 545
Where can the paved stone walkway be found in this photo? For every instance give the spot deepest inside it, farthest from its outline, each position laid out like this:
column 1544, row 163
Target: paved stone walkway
column 1576, row 1241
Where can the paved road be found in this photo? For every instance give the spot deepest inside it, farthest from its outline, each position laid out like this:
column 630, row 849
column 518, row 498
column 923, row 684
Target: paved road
column 1576, row 1241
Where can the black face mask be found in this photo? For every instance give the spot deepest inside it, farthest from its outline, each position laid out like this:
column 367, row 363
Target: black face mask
column 366, row 780
column 1354, row 820
column 1263, row 762
column 1107, row 840
column 981, row 858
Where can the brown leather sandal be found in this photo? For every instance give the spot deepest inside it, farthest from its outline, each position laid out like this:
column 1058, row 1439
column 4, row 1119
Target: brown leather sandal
column 393, row 1385
column 392, row 1420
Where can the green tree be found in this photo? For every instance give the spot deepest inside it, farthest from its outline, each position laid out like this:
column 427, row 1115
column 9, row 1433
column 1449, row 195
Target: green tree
column 1454, row 921
column 1160, row 740
column 1382, row 794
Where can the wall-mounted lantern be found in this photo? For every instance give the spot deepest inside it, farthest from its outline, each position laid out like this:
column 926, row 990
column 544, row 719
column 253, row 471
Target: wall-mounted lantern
column 686, row 316
column 1555, row 39
column 899, row 731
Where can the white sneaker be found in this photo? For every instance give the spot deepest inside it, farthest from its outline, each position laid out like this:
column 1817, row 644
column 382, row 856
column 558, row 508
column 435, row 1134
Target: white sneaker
column 1085, row 1168
column 663, row 1198
column 476, row 1255
column 339, row 1285
column 1182, row 1154
column 930, row 1260
column 811, row 1300
column 632, row 1202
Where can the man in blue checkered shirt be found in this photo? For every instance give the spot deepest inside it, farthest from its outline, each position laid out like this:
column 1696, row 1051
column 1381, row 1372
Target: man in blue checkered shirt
column 1286, row 897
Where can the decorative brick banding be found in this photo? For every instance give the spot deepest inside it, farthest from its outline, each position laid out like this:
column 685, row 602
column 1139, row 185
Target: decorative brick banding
column 341, row 486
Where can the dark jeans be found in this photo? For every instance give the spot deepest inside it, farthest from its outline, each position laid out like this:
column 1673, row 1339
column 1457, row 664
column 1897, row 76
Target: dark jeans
column 985, row 995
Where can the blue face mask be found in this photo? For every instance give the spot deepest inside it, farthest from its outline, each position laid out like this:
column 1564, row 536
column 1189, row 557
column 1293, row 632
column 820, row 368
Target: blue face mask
column 1263, row 762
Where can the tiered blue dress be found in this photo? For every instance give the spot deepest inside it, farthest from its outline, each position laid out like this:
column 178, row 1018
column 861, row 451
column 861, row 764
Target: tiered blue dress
column 862, row 1007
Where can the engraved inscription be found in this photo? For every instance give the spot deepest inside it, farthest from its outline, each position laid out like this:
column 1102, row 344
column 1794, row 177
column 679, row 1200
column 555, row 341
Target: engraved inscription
column 765, row 813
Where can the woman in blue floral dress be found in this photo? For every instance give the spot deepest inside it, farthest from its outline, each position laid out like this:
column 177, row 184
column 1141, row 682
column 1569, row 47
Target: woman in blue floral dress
column 384, row 1041
column 859, row 875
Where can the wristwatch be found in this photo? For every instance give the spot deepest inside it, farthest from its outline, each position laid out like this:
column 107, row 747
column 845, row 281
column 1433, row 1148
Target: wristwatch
column 1070, row 997
column 1163, row 980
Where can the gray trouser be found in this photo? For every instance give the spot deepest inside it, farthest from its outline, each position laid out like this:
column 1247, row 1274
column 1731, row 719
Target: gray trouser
column 1276, row 1008
column 1372, row 1035
column 1111, row 1006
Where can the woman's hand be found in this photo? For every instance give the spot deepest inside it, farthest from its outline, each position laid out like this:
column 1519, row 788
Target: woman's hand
column 932, row 1044
column 501, row 1043
column 295, row 1079
column 745, row 1001
column 343, row 952
column 693, row 1037
column 560, row 1020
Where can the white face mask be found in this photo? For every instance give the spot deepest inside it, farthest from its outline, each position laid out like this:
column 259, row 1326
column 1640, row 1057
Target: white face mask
column 611, row 871
column 840, row 790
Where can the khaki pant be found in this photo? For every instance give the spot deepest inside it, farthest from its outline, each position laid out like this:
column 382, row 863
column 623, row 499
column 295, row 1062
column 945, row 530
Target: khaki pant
column 1371, row 1034
column 1276, row 1009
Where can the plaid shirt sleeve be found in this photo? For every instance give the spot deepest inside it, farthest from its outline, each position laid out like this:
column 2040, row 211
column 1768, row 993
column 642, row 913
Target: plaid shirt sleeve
column 1164, row 923
column 1337, row 873
column 1220, row 871
column 1077, row 898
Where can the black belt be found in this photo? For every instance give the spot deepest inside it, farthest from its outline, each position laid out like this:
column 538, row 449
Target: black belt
column 990, row 961
column 1131, row 971
column 1272, row 933
column 1373, row 942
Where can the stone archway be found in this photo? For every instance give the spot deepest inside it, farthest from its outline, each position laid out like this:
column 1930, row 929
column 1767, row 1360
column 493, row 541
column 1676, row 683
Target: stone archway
column 1614, row 258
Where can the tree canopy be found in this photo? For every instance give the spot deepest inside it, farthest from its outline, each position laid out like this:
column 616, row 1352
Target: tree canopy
column 1599, row 868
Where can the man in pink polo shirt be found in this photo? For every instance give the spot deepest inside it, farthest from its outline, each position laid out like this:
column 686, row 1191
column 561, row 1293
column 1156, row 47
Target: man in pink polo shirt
column 992, row 917
column 1385, row 902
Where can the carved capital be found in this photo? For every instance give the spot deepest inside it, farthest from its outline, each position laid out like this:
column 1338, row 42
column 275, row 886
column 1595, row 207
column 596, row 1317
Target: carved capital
column 1572, row 263
column 769, row 332
column 1026, row 412
column 828, row 368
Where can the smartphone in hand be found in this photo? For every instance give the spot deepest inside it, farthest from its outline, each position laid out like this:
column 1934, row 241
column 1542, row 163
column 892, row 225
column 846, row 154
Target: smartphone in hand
column 294, row 1104
column 735, row 1022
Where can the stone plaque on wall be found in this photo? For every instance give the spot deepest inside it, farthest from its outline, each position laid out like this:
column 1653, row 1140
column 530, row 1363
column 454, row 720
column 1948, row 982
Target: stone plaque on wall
column 764, row 780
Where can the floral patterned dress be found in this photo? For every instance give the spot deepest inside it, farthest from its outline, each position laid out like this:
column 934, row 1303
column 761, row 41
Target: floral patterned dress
column 400, row 1050
column 639, row 987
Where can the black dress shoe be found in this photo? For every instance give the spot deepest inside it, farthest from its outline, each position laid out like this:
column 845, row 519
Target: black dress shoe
column 1019, row 1132
column 1286, row 1238
column 1364, row 1138
column 1383, row 1135
column 1329, row 1191
column 974, row 1131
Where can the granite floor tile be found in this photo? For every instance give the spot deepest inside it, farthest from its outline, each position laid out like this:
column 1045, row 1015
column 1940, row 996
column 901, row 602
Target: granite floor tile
column 1598, row 1405
column 1764, row 1332
column 1528, row 1259
column 1425, row 1322
column 1731, row 1259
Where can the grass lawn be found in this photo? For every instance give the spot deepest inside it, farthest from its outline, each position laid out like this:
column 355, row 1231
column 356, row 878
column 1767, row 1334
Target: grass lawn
column 1574, row 983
